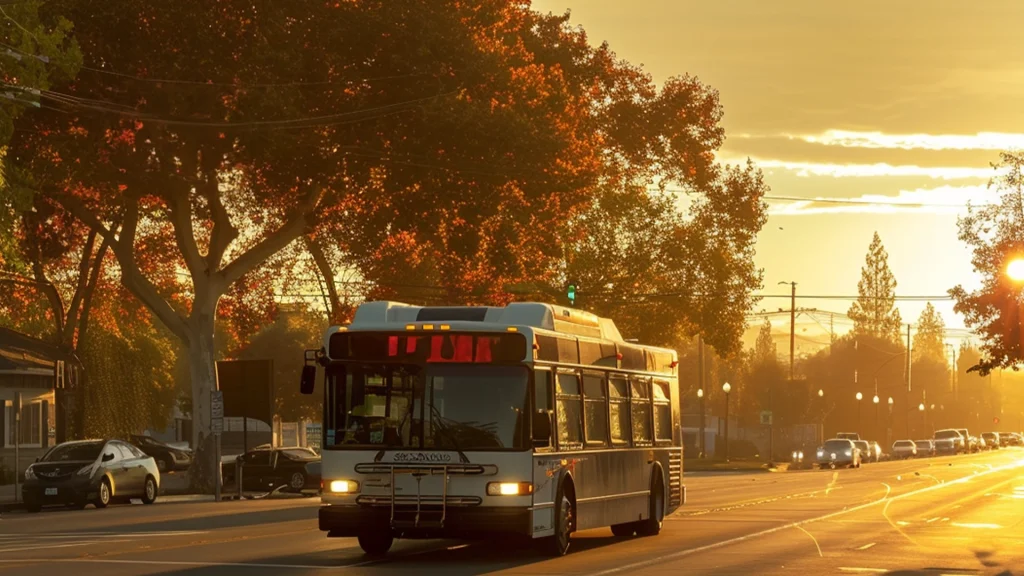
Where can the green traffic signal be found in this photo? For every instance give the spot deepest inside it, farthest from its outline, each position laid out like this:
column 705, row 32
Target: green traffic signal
column 572, row 294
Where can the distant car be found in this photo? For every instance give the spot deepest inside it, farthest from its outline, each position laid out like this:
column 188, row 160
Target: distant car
column 168, row 458
column 848, row 436
column 801, row 459
column 925, row 448
column 864, row 448
column 971, row 443
column 838, row 452
column 992, row 440
column 978, row 443
column 1013, row 439
column 904, row 449
column 85, row 472
column 949, row 441
column 267, row 469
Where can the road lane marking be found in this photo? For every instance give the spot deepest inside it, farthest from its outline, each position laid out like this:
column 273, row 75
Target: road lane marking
column 769, row 531
column 930, row 520
column 866, row 546
column 59, row 536
column 863, row 570
column 813, row 539
column 52, row 546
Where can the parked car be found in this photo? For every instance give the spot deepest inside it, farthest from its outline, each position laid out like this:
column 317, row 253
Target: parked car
column 970, row 442
column 925, row 448
column 1013, row 439
column 903, row 449
column 168, row 458
column 85, row 472
column 864, row 448
column 992, row 441
column 266, row 469
column 1004, row 439
column 949, row 441
column 838, row 452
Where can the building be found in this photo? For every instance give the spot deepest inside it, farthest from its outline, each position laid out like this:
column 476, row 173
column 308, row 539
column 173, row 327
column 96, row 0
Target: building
column 34, row 373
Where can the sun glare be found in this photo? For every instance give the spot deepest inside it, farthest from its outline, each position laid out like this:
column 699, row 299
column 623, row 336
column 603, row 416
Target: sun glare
column 1015, row 270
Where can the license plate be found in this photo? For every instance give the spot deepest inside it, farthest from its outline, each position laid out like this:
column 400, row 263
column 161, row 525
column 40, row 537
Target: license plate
column 51, row 491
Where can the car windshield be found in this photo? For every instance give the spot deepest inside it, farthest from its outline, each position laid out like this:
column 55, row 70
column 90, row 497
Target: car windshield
column 947, row 434
column 74, row 451
column 837, row 445
column 451, row 407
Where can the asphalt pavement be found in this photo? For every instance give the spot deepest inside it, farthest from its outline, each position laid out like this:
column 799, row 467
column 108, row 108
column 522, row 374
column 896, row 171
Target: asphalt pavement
column 949, row 515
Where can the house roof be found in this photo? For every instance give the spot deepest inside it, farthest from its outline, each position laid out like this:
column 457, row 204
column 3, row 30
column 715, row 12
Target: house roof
column 20, row 352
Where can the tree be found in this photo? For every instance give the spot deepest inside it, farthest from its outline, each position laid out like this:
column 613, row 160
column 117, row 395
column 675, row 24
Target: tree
column 462, row 132
column 931, row 330
column 994, row 232
column 874, row 313
column 36, row 51
column 765, row 349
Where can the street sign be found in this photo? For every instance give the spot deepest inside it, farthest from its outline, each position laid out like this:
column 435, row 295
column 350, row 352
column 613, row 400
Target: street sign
column 217, row 411
column 766, row 418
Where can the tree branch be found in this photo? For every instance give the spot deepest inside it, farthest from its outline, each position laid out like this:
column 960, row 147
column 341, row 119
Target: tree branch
column 258, row 254
column 184, row 234
column 68, row 335
column 124, row 250
column 224, row 233
column 324, row 265
column 52, row 296
column 90, row 289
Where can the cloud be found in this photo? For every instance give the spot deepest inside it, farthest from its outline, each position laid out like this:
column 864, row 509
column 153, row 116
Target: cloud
column 806, row 169
column 979, row 141
column 940, row 200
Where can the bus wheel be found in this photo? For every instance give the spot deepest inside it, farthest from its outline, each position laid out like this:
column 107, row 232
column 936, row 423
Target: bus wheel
column 623, row 530
column 652, row 526
column 375, row 543
column 558, row 545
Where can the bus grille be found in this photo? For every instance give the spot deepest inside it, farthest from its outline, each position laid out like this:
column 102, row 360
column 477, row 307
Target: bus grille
column 675, row 477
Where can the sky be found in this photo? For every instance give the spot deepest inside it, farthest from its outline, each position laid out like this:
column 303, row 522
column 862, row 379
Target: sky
column 890, row 102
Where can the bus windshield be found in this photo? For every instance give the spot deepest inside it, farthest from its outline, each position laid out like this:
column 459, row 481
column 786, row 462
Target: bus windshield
column 440, row 407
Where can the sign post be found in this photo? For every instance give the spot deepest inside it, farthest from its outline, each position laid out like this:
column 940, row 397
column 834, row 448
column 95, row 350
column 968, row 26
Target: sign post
column 217, row 426
column 17, row 444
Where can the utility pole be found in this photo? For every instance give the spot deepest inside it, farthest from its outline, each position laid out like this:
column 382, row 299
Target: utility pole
column 792, row 329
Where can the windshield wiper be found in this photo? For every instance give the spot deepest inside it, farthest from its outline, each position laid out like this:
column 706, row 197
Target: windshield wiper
column 444, row 429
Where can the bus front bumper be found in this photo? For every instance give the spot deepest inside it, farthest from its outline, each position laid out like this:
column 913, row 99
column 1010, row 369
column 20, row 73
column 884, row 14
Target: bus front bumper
column 347, row 521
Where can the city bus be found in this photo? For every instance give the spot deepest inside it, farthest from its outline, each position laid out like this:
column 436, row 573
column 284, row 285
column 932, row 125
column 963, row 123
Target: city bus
column 462, row 422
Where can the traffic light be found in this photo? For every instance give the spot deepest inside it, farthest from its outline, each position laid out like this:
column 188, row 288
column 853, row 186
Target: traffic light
column 572, row 294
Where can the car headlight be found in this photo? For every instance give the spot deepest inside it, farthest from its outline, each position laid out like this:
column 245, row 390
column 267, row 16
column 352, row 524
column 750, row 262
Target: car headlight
column 849, row 452
column 509, row 488
column 821, row 453
column 800, row 455
column 344, row 486
column 30, row 474
column 794, row 456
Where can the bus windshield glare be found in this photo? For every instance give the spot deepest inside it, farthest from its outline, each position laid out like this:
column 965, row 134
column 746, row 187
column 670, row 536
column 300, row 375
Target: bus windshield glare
column 440, row 407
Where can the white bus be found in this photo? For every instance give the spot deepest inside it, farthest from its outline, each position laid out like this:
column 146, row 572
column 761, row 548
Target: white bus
column 463, row 422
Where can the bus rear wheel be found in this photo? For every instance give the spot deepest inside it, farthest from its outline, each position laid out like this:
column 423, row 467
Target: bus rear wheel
column 375, row 543
column 624, row 530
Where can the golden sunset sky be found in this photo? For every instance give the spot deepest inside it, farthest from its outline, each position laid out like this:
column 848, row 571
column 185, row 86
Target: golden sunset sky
column 893, row 102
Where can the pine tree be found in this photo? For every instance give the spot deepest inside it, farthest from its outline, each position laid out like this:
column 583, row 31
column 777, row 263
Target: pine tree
column 765, row 349
column 930, row 331
column 874, row 313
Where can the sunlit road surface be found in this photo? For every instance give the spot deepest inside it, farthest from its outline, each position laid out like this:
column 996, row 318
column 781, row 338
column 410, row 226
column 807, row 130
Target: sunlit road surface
column 951, row 515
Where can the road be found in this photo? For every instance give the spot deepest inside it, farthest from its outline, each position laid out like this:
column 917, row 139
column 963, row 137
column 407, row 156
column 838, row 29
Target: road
column 951, row 515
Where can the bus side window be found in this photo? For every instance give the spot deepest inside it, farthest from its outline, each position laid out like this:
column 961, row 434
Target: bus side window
column 570, row 433
column 618, row 410
column 641, row 411
column 542, row 398
column 595, row 410
column 662, row 411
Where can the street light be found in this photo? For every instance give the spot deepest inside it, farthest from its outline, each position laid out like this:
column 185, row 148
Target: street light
column 859, row 398
column 875, row 425
column 821, row 393
column 726, row 388
column 700, row 444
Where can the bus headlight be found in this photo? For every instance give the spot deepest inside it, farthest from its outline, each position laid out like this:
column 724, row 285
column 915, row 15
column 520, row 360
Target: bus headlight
column 509, row 488
column 344, row 486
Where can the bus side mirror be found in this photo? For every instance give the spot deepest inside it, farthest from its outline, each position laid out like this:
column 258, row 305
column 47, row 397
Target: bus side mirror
column 541, row 429
column 308, row 381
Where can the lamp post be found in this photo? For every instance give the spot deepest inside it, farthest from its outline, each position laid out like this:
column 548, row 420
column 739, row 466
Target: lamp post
column 875, row 400
column 924, row 416
column 700, row 442
column 859, row 398
column 726, row 388
column 821, row 431
column 888, row 428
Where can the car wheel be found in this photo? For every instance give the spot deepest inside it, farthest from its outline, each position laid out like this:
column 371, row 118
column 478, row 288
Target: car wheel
column 150, row 492
column 375, row 543
column 103, row 494
column 298, row 481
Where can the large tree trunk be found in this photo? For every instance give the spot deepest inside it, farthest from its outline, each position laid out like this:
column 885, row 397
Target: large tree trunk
column 203, row 372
